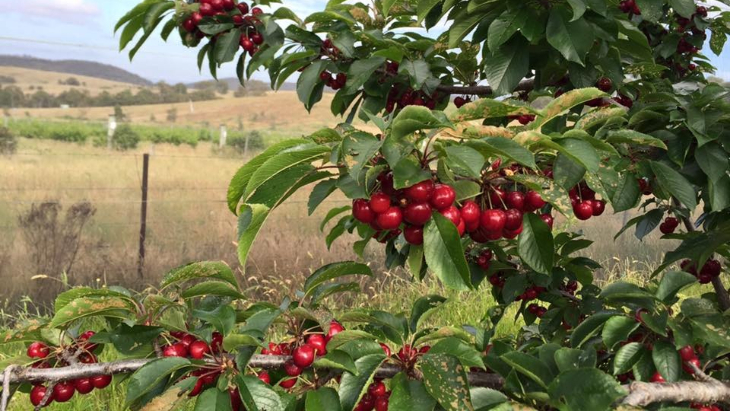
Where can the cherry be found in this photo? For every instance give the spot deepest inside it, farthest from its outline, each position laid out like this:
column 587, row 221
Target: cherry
column 386, row 350
column 417, row 214
column 513, row 219
column 37, row 394
column 377, row 389
column 379, row 203
column 516, row 200
column 470, row 212
column 704, row 278
column 87, row 358
column 83, row 385
column 644, row 186
column 672, row 222
column 197, row 388
column 584, row 210
column 216, row 342
column 228, row 5
column 87, row 345
column 657, row 377
column 264, row 376
column 459, row 101
column 236, row 401
column 452, row 213
column 390, row 219
column 318, row 342
column 242, row 7
column 38, row 350
column 257, row 38
column 694, row 361
column 604, row 84
column 712, row 268
column 381, row 404
column 362, row 212
column 288, row 383
column 687, row 353
column 206, row 9
column 246, row 43
column 413, row 234
column 493, row 221
column 292, row 369
column 443, row 197
column 303, row 356
column 189, row 25
column 599, row 206
column 335, row 328
column 101, row 381
column 256, row 11
column 534, row 201
column 701, row 11
column 470, row 226
column 424, row 349
column 199, row 349
column 666, row 228
column 175, row 350
column 512, row 234
column 421, row 192
column 548, row 219
column 63, row 391
column 187, row 339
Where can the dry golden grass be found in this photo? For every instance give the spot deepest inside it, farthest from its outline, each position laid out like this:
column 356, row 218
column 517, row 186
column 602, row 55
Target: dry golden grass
column 49, row 81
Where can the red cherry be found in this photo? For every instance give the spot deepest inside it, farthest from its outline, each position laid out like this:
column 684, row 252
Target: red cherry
column 598, row 207
column 199, row 349
column 666, row 229
column 471, row 226
column 712, row 268
column 246, row 43
column 548, row 219
column 461, row 228
column 443, row 197
column 63, row 391
column 584, row 210
column 497, row 198
column 452, row 213
column 512, row 234
column 264, row 376
column 37, row 394
column 470, row 212
column 362, row 212
column 228, row 5
column 604, row 84
column 288, row 383
column 335, row 328
column 459, row 101
column 38, row 350
column 534, row 201
column 493, row 221
column 257, row 38
column 187, row 339
column 377, row 389
column 379, row 203
column 236, row 401
column 687, row 353
column 513, row 219
column 417, row 214
column 704, row 278
column 292, row 369
column 390, row 219
column 303, row 356
column 175, row 350
column 83, row 385
column 216, row 342
column 386, row 350
column 421, row 192
column 413, row 234
column 101, row 381
column 87, row 345
column 672, row 222
column 189, row 25
column 694, row 361
column 381, row 404
column 197, row 388
column 318, row 342
column 242, row 7
column 256, row 11
column 657, row 377
column 206, row 9
column 87, row 358
column 516, row 200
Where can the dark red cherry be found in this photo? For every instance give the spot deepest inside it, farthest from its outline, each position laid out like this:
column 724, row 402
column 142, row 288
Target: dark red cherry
column 421, row 192
column 443, row 197
column 417, row 214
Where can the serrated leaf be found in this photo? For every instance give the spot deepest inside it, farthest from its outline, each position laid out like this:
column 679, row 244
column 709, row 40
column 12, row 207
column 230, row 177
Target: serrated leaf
column 353, row 387
column 675, row 183
column 333, row 271
column 626, row 357
column 586, row 389
column 445, row 380
column 618, row 329
column 151, row 374
column 535, row 244
column 445, row 254
column 590, row 327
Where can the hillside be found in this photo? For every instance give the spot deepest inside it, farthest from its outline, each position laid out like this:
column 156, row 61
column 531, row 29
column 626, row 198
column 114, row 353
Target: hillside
column 29, row 80
column 76, row 67
column 233, row 84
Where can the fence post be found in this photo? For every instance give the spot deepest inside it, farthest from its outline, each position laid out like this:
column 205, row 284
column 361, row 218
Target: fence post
column 223, row 136
column 143, row 215
column 111, row 126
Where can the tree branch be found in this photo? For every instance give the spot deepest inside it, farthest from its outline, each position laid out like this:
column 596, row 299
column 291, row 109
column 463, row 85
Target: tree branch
column 643, row 394
column 6, row 388
column 525, row 85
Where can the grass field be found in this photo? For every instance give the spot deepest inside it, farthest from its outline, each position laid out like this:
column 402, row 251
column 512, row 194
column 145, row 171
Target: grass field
column 49, row 81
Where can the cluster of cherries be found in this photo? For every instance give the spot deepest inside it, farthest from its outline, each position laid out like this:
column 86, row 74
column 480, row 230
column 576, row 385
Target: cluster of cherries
column 250, row 39
column 710, row 270
column 377, row 398
column 63, row 391
column 629, row 6
column 669, row 225
column 188, row 346
column 460, row 101
column 584, row 202
column 410, row 97
column 524, row 119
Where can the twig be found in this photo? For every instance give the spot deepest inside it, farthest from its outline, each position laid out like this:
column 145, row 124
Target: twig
column 46, row 397
column 6, row 388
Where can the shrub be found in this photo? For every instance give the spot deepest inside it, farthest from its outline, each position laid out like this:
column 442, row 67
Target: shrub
column 125, row 138
column 8, row 142
column 238, row 141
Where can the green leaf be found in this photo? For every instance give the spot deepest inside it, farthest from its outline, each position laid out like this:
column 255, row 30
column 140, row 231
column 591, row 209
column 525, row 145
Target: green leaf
column 213, row 399
column 666, row 360
column 214, row 288
column 337, row 359
column 504, row 147
column 414, row 118
column 504, row 26
column 323, row 399
column 589, row 328
column 579, row 8
column 507, row 66
column 203, row 270
column 627, row 193
column 573, row 39
column 152, row 17
column 237, row 341
column 648, row 223
column 618, row 329
column 571, row 359
column 626, row 357
column 713, row 160
column 445, row 379
column 250, row 221
column 66, row 297
column 486, row 398
column 222, row 318
column 676, row 184
column 565, row 102
column 672, row 282
column 319, row 193
column 632, row 137
column 698, row 248
column 281, row 162
column 335, row 270
column 651, row 10
column 465, row 160
column 354, row 386
column 358, row 148
column 467, row 355
column 445, row 254
column 622, row 291
column 258, row 395
column 309, row 85
column 685, row 8
column 84, row 307
column 586, row 389
column 361, row 71
column 417, row 70
column 151, row 374
column 422, row 308
column 487, row 108
column 535, row 244
column 409, row 394
column 530, row 366
column 139, row 9
column 227, row 46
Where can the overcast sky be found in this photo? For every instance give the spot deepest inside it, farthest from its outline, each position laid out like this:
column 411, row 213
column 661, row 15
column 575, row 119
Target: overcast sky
column 82, row 29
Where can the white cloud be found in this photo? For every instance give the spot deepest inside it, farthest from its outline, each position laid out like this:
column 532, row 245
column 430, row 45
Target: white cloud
column 63, row 10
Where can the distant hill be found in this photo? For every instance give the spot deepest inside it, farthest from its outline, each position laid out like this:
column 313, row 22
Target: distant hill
column 233, row 84
column 78, row 67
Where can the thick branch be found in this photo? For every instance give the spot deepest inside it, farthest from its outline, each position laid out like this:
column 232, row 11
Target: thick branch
column 20, row 374
column 525, row 85
column 643, row 394
column 6, row 388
